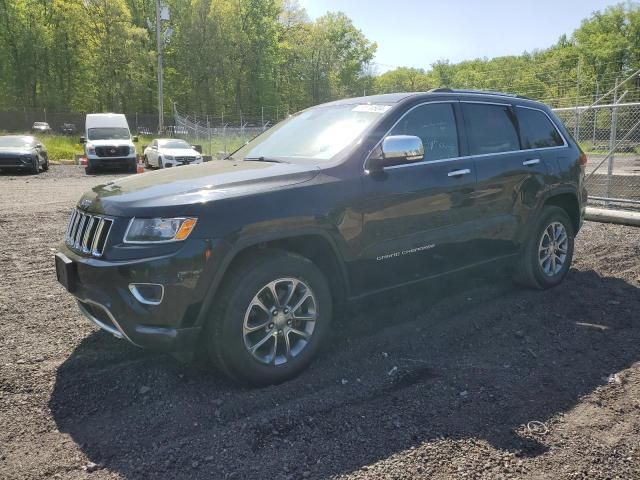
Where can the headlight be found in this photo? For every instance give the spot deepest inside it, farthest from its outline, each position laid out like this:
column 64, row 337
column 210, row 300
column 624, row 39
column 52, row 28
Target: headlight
column 198, row 157
column 91, row 150
column 159, row 230
column 132, row 150
column 168, row 157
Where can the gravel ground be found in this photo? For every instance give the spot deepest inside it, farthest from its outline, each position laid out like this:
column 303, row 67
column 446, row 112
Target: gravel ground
column 448, row 380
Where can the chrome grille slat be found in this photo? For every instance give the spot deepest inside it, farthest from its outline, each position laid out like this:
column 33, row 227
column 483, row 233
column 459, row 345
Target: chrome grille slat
column 72, row 218
column 88, row 233
column 76, row 240
column 96, row 237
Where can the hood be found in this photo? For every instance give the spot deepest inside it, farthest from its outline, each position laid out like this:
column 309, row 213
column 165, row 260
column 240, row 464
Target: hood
column 109, row 143
column 182, row 189
column 179, row 152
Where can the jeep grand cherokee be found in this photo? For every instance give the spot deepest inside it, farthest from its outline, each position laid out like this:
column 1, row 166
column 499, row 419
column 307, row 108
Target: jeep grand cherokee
column 247, row 256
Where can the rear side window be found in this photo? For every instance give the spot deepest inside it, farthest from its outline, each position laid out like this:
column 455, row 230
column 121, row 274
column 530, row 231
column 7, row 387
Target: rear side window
column 435, row 124
column 490, row 128
column 537, row 130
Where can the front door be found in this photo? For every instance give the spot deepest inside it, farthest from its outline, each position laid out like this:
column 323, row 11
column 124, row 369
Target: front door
column 416, row 216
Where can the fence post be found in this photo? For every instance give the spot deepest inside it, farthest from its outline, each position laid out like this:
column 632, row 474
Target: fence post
column 595, row 116
column 612, row 140
column 209, row 132
column 576, row 127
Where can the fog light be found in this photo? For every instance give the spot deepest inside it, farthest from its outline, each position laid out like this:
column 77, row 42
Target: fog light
column 147, row 293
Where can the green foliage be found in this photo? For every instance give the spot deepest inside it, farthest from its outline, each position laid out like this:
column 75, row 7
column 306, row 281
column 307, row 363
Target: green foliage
column 605, row 48
column 225, row 57
column 231, row 57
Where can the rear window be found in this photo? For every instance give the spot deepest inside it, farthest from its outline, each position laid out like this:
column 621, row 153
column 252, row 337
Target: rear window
column 490, row 128
column 537, row 130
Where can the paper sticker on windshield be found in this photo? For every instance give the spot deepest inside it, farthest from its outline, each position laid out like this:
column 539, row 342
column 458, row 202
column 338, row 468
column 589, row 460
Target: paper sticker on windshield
column 371, row 108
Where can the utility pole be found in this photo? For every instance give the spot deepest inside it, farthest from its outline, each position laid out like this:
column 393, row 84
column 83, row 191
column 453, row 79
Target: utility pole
column 159, row 50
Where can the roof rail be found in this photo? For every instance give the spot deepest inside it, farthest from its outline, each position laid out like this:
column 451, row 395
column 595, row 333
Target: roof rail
column 475, row 92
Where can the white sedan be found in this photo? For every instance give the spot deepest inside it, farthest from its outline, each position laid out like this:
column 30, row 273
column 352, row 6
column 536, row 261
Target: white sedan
column 170, row 152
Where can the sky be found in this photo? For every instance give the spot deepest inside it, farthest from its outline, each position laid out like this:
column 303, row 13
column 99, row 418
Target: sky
column 416, row 33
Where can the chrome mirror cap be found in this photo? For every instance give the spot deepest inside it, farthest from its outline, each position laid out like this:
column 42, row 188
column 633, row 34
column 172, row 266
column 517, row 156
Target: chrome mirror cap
column 402, row 147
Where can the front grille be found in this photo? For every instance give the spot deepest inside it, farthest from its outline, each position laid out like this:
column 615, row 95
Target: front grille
column 122, row 151
column 9, row 162
column 88, row 233
column 185, row 159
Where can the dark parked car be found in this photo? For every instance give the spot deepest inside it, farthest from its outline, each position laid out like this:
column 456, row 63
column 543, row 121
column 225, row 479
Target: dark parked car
column 40, row 127
column 248, row 257
column 23, row 152
column 68, row 129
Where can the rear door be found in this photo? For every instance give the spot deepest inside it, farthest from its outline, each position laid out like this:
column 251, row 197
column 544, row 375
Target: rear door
column 541, row 139
column 413, row 211
column 507, row 175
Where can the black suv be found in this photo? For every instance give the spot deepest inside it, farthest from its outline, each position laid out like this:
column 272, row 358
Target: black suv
column 248, row 256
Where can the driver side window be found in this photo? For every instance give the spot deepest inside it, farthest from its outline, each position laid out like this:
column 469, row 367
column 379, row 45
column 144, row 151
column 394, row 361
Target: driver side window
column 435, row 125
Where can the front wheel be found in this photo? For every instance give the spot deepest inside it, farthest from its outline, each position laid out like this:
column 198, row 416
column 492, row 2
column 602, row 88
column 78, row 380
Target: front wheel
column 547, row 254
column 270, row 320
column 35, row 167
column 45, row 165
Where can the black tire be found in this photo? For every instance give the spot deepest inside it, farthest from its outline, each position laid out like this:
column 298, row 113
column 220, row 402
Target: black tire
column 530, row 272
column 45, row 165
column 35, row 168
column 225, row 340
column 89, row 169
column 133, row 166
column 146, row 162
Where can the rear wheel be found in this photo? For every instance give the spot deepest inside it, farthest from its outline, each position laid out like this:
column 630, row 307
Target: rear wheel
column 270, row 320
column 146, row 162
column 547, row 255
column 45, row 165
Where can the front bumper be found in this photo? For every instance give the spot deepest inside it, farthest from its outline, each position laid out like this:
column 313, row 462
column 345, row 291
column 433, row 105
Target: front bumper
column 178, row 163
column 20, row 162
column 111, row 162
column 101, row 288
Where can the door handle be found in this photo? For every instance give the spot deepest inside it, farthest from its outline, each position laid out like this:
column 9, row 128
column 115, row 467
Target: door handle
column 458, row 173
column 533, row 161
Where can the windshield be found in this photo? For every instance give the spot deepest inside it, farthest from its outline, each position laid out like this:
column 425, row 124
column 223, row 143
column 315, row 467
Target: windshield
column 16, row 142
column 108, row 133
column 318, row 133
column 175, row 144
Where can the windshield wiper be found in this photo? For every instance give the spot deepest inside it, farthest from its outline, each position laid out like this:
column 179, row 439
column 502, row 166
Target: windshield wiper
column 263, row 159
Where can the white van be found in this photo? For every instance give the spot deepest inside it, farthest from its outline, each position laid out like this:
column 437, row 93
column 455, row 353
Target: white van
column 108, row 142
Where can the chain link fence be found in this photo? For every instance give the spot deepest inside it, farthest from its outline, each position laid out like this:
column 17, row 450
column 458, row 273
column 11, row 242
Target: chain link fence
column 218, row 136
column 610, row 136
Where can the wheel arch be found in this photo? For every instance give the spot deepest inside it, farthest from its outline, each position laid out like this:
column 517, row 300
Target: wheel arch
column 316, row 245
column 568, row 201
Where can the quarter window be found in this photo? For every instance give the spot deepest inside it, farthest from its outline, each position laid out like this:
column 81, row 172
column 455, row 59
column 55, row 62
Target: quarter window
column 490, row 128
column 537, row 130
column 435, row 124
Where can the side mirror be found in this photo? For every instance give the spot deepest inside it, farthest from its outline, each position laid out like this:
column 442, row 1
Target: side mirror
column 154, row 147
column 397, row 150
column 83, row 140
column 38, row 145
column 135, row 138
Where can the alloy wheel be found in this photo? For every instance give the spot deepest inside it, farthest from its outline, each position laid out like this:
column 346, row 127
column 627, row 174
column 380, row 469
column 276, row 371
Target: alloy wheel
column 553, row 249
column 280, row 321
